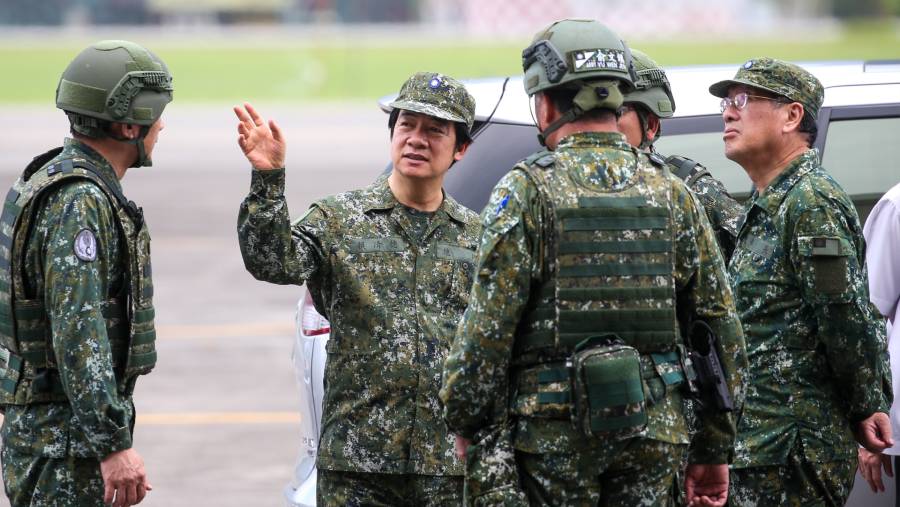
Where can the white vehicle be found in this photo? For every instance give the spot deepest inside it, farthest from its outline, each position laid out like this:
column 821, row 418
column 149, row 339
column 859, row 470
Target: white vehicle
column 858, row 125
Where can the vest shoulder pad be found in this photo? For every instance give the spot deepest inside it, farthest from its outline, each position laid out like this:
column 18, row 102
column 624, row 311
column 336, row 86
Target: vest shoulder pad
column 40, row 161
column 543, row 159
column 684, row 167
column 656, row 159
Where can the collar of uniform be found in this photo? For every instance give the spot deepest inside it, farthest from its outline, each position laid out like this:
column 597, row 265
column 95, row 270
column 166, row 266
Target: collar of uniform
column 594, row 140
column 73, row 148
column 783, row 183
column 382, row 198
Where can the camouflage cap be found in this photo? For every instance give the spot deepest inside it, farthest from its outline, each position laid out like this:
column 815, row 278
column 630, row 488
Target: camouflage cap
column 778, row 77
column 437, row 95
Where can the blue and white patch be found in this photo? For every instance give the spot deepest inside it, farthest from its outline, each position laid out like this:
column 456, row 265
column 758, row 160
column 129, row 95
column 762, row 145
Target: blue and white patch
column 502, row 205
column 435, row 83
column 748, row 65
column 86, row 245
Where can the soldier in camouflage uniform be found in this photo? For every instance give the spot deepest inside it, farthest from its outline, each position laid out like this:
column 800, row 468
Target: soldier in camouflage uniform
column 592, row 254
column 390, row 266
column 76, row 312
column 816, row 346
column 639, row 118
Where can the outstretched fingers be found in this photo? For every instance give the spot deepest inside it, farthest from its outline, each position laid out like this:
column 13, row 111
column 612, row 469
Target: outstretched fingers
column 276, row 131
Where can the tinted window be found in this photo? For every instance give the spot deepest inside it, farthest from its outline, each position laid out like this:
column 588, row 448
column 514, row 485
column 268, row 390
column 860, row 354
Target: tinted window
column 496, row 150
column 863, row 155
column 708, row 149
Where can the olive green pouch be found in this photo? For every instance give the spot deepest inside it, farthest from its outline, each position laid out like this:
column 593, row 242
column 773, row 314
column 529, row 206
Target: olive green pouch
column 607, row 388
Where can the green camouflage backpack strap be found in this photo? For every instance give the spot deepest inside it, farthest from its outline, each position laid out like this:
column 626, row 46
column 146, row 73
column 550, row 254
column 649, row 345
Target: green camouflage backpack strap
column 724, row 212
column 686, row 169
column 29, row 373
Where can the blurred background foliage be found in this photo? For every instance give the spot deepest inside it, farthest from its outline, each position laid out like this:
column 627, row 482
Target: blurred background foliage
column 351, row 50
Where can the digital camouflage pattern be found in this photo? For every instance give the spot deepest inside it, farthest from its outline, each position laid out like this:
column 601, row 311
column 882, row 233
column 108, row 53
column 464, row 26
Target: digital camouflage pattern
column 604, row 474
column 356, row 489
column 511, row 263
column 38, row 481
column 723, row 211
column 779, row 77
column 47, row 438
column 437, row 95
column 816, row 347
column 797, row 484
column 393, row 304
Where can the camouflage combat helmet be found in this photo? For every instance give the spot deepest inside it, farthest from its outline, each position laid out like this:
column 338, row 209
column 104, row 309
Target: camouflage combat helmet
column 115, row 81
column 651, row 89
column 439, row 96
column 582, row 55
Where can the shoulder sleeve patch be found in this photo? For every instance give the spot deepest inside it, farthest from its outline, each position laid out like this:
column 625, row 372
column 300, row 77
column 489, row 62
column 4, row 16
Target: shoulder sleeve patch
column 85, row 245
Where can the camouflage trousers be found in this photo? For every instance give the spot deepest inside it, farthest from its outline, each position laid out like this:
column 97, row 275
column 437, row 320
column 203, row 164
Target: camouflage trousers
column 633, row 472
column 356, row 489
column 799, row 482
column 37, row 481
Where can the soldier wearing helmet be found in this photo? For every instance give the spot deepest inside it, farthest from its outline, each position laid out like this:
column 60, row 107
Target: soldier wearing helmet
column 639, row 120
column 76, row 310
column 593, row 268
column 390, row 266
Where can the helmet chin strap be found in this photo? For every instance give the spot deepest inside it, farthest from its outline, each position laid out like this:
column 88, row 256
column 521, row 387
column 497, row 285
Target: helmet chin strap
column 591, row 95
column 142, row 160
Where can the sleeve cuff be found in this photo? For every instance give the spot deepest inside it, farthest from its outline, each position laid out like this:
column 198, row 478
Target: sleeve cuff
column 268, row 184
column 118, row 441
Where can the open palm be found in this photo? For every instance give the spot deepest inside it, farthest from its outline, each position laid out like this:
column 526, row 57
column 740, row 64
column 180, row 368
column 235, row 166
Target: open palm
column 262, row 142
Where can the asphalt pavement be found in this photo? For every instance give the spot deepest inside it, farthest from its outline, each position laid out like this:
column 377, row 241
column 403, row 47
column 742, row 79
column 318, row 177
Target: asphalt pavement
column 218, row 419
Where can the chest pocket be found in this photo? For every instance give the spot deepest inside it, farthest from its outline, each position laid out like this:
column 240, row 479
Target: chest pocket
column 454, row 267
column 372, row 278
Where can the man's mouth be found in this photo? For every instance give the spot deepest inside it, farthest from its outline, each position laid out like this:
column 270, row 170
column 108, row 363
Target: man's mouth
column 416, row 157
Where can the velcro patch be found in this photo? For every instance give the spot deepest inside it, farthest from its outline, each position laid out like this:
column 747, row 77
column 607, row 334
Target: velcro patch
column 454, row 253
column 389, row 244
column 85, row 246
column 586, row 60
column 829, row 247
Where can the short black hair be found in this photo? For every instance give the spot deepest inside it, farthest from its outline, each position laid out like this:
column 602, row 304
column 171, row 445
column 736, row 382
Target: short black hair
column 564, row 99
column 462, row 132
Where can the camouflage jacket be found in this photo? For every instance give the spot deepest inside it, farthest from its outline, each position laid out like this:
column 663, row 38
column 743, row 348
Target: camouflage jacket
column 393, row 304
column 509, row 266
column 724, row 212
column 98, row 419
column 816, row 347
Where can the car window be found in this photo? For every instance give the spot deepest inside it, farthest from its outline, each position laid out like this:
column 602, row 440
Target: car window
column 863, row 155
column 708, row 149
column 496, row 150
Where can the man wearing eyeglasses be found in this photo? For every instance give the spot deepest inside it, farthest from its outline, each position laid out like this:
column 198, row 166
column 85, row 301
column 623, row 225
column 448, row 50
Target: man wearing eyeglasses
column 816, row 349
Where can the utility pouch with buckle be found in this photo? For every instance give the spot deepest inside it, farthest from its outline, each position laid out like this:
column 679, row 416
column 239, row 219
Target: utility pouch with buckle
column 608, row 392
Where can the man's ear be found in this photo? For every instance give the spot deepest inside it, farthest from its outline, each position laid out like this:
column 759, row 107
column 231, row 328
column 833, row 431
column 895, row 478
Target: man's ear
column 652, row 126
column 795, row 113
column 461, row 151
column 125, row 130
column 545, row 110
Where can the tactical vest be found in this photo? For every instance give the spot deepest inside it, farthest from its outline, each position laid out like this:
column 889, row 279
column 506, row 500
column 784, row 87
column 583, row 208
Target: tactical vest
column 28, row 369
column 609, row 265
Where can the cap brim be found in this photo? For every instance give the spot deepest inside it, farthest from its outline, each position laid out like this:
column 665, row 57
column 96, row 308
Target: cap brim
column 429, row 109
column 720, row 89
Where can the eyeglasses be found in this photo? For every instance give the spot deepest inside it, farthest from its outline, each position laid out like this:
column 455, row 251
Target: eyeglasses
column 740, row 101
